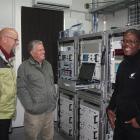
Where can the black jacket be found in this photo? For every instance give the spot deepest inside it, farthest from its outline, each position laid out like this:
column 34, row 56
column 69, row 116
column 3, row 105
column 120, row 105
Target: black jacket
column 126, row 97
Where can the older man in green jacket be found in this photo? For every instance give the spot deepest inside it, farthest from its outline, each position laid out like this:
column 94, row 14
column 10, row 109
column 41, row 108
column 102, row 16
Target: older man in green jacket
column 37, row 93
column 8, row 41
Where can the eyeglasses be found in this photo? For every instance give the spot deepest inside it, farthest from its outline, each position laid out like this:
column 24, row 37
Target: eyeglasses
column 130, row 42
column 16, row 40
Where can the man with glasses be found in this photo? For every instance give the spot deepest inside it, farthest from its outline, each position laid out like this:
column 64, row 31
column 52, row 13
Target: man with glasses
column 124, row 108
column 8, row 42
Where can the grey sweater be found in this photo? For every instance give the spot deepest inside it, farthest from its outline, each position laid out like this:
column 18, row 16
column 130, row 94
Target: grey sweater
column 35, row 87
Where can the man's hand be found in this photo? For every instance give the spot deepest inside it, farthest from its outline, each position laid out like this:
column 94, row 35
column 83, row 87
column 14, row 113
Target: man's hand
column 133, row 123
column 111, row 117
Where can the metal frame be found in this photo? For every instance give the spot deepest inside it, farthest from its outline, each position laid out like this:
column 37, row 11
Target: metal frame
column 70, row 86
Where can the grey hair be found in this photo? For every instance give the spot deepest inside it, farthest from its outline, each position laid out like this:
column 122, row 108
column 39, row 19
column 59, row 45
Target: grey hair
column 32, row 44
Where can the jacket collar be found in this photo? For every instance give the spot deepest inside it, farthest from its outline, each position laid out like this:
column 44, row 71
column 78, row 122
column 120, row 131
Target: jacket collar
column 133, row 57
column 34, row 62
column 3, row 56
column 7, row 55
column 9, row 61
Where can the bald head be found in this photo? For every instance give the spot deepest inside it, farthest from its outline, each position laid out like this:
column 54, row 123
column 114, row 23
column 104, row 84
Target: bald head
column 8, row 39
column 10, row 32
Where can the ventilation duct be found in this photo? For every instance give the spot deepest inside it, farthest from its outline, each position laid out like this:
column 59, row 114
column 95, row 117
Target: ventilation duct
column 53, row 5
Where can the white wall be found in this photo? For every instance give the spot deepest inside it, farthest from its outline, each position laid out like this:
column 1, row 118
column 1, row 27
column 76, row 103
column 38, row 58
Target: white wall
column 118, row 19
column 7, row 13
column 77, row 14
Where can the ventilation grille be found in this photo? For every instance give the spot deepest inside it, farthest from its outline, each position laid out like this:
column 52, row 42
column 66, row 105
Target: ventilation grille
column 134, row 14
column 51, row 6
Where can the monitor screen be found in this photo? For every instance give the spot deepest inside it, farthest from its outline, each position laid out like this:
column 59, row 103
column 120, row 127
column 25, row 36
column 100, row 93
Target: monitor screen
column 85, row 57
column 86, row 71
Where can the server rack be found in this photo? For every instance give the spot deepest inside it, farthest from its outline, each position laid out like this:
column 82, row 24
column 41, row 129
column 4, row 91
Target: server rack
column 89, row 114
column 84, row 49
column 98, row 38
column 67, row 74
column 66, row 113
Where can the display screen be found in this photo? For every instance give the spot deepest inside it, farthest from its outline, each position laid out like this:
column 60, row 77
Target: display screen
column 86, row 71
column 85, row 57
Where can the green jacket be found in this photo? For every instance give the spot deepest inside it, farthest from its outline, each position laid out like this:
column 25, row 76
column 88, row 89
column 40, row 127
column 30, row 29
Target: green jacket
column 7, row 89
column 35, row 87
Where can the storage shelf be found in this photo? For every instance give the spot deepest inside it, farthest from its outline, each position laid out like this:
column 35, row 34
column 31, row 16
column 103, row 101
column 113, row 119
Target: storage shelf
column 112, row 7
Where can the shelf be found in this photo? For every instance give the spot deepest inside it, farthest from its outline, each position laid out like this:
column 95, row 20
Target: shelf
column 112, row 7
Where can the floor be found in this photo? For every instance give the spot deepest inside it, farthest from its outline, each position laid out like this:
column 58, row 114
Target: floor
column 18, row 134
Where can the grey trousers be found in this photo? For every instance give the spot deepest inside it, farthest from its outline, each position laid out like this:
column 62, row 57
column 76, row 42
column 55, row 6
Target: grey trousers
column 39, row 127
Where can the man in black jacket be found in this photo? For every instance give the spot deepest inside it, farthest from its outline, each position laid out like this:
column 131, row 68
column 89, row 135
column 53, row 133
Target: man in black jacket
column 124, row 108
